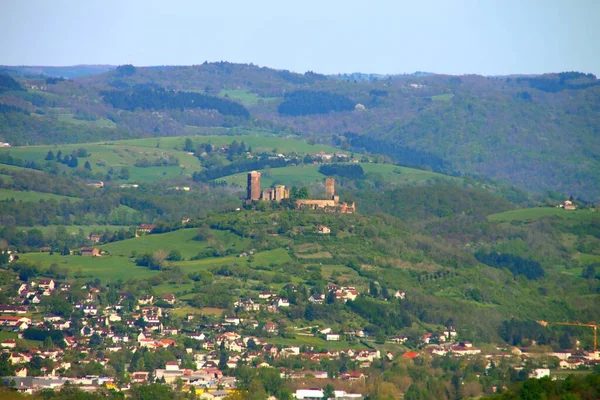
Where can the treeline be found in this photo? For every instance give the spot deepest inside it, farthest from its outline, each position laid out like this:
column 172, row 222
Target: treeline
column 72, row 392
column 352, row 171
column 307, row 102
column 403, row 155
column 8, row 83
column 39, row 182
column 515, row 264
column 440, row 200
column 6, row 108
column 561, row 81
column 524, row 333
column 161, row 99
column 221, row 171
column 573, row 387
column 301, row 79
column 8, row 159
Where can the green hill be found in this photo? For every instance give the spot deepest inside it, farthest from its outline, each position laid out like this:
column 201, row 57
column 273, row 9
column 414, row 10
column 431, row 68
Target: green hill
column 459, row 125
column 32, row 196
column 310, row 173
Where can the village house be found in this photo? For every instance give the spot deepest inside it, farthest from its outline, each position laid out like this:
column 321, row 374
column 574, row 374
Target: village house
column 90, row 252
column 144, row 228
column 46, row 284
column 95, row 238
column 10, row 309
column 168, row 298
column 270, row 327
column 322, row 229
column 146, row 299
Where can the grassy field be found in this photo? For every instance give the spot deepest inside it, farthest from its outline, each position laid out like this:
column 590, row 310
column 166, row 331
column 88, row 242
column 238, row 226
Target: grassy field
column 181, row 240
column 119, row 265
column 6, row 178
column 125, row 153
column 442, row 97
column 310, row 173
column 106, row 268
column 87, row 229
column 103, row 156
column 259, row 140
column 12, row 335
column 28, row 196
column 531, row 214
column 243, row 96
column 99, row 123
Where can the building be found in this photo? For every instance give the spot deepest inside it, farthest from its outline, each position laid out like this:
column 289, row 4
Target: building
column 90, row 252
column 96, row 184
column 324, row 230
column 253, row 186
column 568, row 205
column 275, row 194
column 330, row 204
column 329, row 188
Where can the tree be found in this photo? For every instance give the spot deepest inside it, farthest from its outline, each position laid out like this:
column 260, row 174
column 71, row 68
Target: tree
column 223, row 356
column 373, row 289
column 87, row 166
column 174, row 255
column 124, row 174
column 73, row 163
column 49, row 156
column 328, row 392
column 5, row 366
column 189, row 145
column 303, row 193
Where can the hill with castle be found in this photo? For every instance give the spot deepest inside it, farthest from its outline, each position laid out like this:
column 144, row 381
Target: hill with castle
column 331, row 203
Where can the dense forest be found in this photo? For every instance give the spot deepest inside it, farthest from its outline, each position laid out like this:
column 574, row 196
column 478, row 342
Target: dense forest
column 307, row 102
column 161, row 99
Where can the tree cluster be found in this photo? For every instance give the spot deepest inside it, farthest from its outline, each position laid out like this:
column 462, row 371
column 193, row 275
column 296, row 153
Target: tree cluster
column 161, row 99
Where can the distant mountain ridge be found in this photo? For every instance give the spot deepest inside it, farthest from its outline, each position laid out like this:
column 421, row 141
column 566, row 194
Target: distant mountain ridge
column 539, row 132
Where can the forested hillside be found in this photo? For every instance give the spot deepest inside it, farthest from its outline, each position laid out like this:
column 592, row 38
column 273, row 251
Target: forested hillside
column 538, row 132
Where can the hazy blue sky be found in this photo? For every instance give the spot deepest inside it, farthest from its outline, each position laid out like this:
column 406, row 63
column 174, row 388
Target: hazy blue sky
column 328, row 36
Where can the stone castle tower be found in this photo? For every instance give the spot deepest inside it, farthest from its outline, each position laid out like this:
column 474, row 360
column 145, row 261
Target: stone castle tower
column 329, row 188
column 253, row 186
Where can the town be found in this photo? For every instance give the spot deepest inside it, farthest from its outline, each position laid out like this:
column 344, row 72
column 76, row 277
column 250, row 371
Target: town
column 114, row 340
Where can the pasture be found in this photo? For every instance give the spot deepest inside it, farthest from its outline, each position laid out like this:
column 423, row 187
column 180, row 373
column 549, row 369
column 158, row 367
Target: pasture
column 30, row 196
column 243, row 96
column 182, row 240
column 305, row 174
column 533, row 214
column 108, row 155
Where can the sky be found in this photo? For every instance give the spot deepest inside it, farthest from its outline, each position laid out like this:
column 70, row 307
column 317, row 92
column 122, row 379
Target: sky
column 487, row 37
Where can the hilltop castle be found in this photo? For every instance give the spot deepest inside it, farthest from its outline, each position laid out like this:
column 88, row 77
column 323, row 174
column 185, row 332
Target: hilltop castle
column 330, row 204
column 269, row 194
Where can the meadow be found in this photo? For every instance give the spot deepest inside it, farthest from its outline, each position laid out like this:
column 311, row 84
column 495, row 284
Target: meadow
column 181, row 240
column 87, row 229
column 119, row 264
column 245, row 97
column 30, row 196
column 532, row 214
column 107, row 155
column 104, row 156
column 259, row 140
column 310, row 173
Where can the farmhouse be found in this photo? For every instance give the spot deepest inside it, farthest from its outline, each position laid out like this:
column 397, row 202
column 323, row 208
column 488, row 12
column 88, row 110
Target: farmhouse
column 322, row 229
column 90, row 252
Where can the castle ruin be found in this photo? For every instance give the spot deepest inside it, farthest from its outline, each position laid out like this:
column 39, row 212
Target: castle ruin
column 331, row 203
